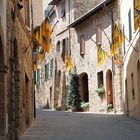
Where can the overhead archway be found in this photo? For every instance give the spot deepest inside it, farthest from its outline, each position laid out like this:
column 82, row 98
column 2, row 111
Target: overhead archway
column 109, row 87
column 83, row 82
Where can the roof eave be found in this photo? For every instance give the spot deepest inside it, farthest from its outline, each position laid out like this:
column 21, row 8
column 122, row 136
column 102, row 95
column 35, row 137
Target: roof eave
column 90, row 13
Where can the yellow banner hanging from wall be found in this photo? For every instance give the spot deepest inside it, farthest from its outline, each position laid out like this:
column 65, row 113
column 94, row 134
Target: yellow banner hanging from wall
column 118, row 37
column 136, row 14
column 68, row 62
column 102, row 55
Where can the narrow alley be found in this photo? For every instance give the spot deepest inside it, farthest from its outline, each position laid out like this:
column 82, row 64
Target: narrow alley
column 54, row 125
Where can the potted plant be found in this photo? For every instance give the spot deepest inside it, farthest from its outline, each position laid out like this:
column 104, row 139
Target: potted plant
column 109, row 107
column 100, row 90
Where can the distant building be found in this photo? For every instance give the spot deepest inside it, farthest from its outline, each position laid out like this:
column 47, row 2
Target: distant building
column 88, row 31
column 75, row 20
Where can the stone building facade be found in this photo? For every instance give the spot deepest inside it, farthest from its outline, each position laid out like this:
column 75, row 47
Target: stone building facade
column 16, row 86
column 74, row 19
column 131, row 58
column 90, row 74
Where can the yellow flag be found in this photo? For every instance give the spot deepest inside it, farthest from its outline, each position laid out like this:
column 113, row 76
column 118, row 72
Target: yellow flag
column 47, row 46
column 37, row 36
column 41, row 54
column 68, row 62
column 48, row 27
column 136, row 14
column 41, row 33
column 102, row 55
column 118, row 37
column 117, row 59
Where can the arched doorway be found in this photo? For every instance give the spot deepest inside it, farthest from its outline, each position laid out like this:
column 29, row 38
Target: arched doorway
column 109, row 88
column 84, row 93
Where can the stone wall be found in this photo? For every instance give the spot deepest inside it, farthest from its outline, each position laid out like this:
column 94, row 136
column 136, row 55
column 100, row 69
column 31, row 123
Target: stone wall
column 132, row 90
column 19, row 80
column 89, row 65
column 3, row 87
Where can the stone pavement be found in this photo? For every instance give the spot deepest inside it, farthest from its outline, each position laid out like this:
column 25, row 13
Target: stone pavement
column 54, row 125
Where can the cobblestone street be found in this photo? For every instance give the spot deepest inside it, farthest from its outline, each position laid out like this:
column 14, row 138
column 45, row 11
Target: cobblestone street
column 54, row 125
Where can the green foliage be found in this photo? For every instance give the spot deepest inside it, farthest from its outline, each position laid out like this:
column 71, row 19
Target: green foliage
column 100, row 90
column 35, row 45
column 109, row 107
column 73, row 98
column 84, row 105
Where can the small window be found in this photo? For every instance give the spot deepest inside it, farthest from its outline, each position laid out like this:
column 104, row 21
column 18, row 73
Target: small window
column 47, row 71
column 82, row 44
column 58, row 46
column 133, row 91
column 99, row 34
column 63, row 10
column 63, row 49
column 27, row 12
column 100, row 79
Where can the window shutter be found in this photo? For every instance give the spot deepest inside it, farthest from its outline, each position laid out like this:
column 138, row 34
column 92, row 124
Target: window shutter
column 82, row 44
column 51, row 68
column 63, row 49
column 47, row 71
column 130, row 25
column 38, row 76
column 99, row 34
